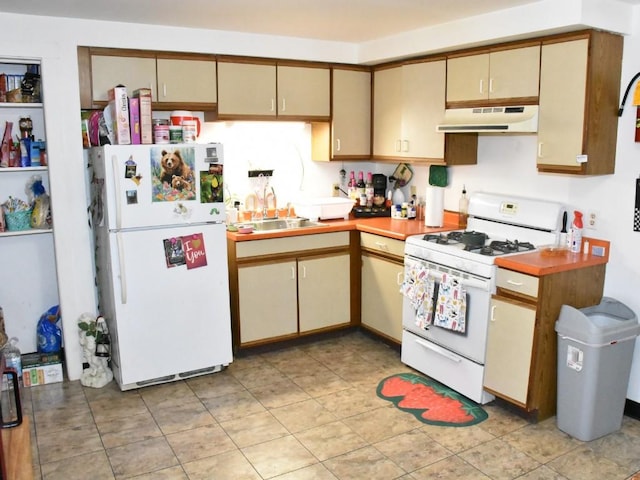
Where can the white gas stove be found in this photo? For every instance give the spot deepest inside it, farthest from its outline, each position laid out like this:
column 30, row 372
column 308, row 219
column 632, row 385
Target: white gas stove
column 498, row 225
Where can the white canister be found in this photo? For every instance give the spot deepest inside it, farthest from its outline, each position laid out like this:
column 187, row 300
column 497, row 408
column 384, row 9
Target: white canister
column 189, row 131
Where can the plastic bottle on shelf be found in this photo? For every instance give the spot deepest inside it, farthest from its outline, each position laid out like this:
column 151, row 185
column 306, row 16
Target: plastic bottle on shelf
column 351, row 186
column 463, row 209
column 575, row 235
column 369, row 189
column 12, row 356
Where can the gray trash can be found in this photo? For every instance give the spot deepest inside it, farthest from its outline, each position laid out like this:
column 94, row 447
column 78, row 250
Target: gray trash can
column 595, row 350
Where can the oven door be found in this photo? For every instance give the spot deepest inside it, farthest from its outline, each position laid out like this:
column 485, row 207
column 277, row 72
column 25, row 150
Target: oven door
column 470, row 344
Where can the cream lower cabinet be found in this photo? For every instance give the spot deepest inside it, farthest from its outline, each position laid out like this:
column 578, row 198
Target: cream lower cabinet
column 381, row 300
column 268, row 300
column 509, row 348
column 289, row 287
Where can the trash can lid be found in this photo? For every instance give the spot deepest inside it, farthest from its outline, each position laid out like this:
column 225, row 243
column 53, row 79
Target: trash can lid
column 606, row 322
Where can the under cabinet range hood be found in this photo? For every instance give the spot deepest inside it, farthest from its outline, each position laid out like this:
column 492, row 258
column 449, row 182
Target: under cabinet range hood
column 515, row 119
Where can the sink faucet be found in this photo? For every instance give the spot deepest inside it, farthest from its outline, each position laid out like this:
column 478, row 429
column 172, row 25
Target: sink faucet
column 265, row 201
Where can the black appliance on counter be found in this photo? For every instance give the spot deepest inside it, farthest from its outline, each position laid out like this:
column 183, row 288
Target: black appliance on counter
column 379, row 192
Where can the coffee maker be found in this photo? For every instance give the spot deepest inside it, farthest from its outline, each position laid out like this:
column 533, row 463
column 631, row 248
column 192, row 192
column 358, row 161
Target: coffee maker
column 378, row 209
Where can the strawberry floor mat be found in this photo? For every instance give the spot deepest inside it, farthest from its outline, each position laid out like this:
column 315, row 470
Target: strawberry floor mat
column 430, row 401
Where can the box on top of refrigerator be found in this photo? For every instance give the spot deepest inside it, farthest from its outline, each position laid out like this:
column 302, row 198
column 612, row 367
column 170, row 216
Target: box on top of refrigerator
column 119, row 106
column 146, row 127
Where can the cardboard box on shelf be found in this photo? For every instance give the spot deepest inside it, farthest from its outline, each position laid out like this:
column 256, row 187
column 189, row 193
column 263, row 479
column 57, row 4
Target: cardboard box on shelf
column 146, row 127
column 119, row 106
column 41, row 368
column 134, row 120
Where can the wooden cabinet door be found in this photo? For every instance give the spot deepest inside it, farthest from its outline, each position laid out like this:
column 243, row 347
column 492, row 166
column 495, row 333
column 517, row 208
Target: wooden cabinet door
column 246, row 89
column 563, row 82
column 132, row 72
column 387, row 111
column 268, row 302
column 324, row 292
column 514, row 73
column 381, row 303
column 423, row 87
column 351, row 115
column 468, row 78
column 509, row 349
column 304, row 91
column 186, row 81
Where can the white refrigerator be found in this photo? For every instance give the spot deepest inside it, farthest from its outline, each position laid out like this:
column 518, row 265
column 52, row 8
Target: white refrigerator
column 161, row 259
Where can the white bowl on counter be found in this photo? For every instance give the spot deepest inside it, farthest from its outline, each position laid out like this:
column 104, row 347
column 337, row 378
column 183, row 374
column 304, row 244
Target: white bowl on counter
column 324, row 208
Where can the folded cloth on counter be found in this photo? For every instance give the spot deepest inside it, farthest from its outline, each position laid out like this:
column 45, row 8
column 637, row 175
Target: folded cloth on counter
column 419, row 288
column 451, row 307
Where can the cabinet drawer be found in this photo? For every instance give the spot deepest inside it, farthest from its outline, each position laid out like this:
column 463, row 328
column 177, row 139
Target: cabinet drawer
column 291, row 244
column 383, row 244
column 517, row 282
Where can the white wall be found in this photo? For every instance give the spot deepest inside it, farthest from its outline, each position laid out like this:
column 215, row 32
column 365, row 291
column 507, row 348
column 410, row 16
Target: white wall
column 505, row 164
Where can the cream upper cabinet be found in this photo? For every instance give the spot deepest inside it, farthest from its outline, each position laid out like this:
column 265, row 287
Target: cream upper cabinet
column 303, row 91
column 324, row 292
column 408, row 104
column 351, row 116
column 579, row 94
column 502, row 74
column 132, row 72
column 186, row 80
column 246, row 89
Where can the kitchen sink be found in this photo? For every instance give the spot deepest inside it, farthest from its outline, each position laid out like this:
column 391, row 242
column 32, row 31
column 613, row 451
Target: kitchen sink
column 284, row 224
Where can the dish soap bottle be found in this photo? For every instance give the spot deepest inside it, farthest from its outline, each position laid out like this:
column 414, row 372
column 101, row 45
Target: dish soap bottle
column 463, row 209
column 575, row 235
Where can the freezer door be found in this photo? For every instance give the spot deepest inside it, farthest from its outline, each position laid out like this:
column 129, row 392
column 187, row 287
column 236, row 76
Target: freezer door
column 170, row 294
column 157, row 185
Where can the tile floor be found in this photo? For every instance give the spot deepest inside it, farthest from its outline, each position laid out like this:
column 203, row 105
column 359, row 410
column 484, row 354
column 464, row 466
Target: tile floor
column 301, row 413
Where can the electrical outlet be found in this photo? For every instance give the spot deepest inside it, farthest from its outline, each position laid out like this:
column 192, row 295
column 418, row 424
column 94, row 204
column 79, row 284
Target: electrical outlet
column 413, row 190
column 335, row 192
column 591, row 221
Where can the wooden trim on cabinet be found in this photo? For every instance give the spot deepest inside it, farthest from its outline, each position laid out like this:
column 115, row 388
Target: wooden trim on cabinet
column 84, row 77
column 356, row 277
column 499, row 102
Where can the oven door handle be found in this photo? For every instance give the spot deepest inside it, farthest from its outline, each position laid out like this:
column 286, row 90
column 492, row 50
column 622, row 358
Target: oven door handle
column 439, row 350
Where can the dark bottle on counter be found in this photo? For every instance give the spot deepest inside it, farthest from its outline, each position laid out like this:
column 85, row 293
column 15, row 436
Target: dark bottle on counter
column 362, row 189
column 369, row 189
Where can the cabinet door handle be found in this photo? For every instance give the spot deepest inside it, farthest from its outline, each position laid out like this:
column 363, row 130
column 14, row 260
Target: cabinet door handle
column 284, row 104
column 273, row 104
column 400, row 278
column 493, row 312
column 481, row 85
column 293, row 273
column 398, row 145
column 514, row 283
column 338, row 144
column 304, row 271
column 405, row 143
column 491, row 85
column 540, row 150
column 382, row 246
column 164, row 89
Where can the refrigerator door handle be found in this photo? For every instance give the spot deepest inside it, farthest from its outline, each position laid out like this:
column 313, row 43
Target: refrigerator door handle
column 121, row 266
column 116, row 180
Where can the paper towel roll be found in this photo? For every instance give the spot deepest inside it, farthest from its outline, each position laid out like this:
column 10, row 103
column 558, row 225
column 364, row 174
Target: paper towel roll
column 434, row 206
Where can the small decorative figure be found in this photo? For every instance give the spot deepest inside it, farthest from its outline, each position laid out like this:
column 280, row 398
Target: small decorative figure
column 94, row 332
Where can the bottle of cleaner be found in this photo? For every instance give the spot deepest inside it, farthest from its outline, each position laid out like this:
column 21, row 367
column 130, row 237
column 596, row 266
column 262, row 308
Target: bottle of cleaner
column 576, row 232
column 463, row 209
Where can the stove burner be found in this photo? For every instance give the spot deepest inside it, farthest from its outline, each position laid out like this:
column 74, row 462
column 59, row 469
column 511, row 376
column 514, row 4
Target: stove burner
column 441, row 238
column 486, row 250
column 509, row 246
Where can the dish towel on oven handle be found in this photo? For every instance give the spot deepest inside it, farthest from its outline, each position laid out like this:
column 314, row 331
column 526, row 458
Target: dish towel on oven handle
column 419, row 288
column 451, row 307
